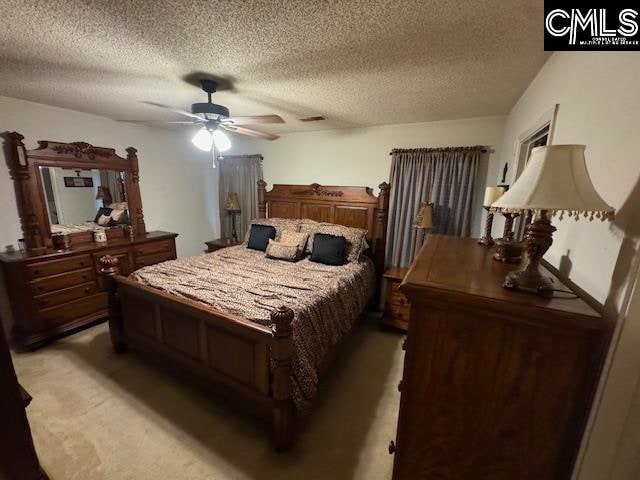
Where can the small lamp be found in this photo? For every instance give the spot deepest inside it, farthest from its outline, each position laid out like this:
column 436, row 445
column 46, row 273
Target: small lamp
column 232, row 207
column 554, row 180
column 104, row 194
column 424, row 219
column 491, row 194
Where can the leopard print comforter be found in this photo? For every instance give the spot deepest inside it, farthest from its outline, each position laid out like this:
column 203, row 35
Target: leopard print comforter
column 326, row 299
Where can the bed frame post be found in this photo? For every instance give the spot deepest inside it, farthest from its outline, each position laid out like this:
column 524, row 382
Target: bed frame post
column 281, row 355
column 380, row 239
column 110, row 270
column 262, row 203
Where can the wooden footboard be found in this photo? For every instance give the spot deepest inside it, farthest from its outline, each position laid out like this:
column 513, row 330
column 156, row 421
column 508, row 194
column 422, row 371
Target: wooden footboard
column 228, row 354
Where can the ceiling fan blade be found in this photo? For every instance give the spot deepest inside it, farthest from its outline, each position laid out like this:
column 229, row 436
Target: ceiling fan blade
column 249, row 132
column 176, row 110
column 159, row 122
column 254, row 119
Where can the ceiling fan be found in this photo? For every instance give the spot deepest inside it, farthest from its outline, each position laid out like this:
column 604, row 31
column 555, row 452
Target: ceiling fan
column 215, row 118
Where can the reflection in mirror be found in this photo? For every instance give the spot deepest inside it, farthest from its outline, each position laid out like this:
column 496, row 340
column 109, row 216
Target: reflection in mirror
column 83, row 200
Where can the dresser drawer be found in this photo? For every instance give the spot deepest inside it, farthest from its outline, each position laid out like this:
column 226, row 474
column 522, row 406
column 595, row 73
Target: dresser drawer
column 165, row 246
column 75, row 310
column 399, row 316
column 63, row 280
column 397, row 306
column 66, row 295
column 153, row 259
column 53, row 267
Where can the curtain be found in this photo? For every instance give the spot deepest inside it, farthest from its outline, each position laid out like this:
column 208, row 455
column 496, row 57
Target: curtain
column 239, row 174
column 442, row 176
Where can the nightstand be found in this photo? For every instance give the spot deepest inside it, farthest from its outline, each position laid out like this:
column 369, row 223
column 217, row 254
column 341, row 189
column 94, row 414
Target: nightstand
column 396, row 307
column 218, row 243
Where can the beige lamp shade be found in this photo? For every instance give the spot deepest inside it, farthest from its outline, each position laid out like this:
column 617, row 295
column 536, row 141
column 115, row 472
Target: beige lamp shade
column 424, row 218
column 232, row 205
column 555, row 180
column 104, row 194
column 491, row 194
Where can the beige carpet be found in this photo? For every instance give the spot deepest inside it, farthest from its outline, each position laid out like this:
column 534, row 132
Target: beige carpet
column 97, row 415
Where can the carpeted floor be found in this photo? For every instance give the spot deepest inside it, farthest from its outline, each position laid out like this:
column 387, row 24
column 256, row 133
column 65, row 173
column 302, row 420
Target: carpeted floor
column 97, row 415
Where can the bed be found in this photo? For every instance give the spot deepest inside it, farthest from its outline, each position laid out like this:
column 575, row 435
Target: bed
column 268, row 353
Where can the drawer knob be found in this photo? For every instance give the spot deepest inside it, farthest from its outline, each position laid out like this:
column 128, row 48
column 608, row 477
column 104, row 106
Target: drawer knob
column 392, row 447
column 400, row 386
column 87, row 289
column 36, row 271
column 82, row 263
column 404, row 344
column 84, row 277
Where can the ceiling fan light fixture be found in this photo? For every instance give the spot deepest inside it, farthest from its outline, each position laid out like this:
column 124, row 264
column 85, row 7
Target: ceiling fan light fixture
column 203, row 139
column 221, row 140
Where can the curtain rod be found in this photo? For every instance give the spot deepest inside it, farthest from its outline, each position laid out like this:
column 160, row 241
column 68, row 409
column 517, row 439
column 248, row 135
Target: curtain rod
column 481, row 148
column 246, row 155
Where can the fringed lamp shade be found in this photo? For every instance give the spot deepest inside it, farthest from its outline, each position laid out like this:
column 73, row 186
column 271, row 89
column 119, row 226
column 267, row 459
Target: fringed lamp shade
column 232, row 205
column 104, row 194
column 424, row 218
column 555, row 180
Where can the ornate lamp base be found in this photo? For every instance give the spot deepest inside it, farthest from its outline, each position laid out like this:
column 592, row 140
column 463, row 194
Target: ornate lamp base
column 234, row 234
column 508, row 251
column 487, row 239
column 529, row 282
column 538, row 238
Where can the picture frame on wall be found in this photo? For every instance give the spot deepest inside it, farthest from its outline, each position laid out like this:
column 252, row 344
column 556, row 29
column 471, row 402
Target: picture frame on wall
column 78, row 182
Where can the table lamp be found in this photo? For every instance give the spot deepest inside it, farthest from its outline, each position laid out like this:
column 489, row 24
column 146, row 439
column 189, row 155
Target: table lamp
column 491, row 194
column 232, row 207
column 424, row 218
column 104, row 194
column 555, row 180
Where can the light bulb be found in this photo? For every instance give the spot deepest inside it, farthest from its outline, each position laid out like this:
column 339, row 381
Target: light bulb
column 203, row 139
column 221, row 141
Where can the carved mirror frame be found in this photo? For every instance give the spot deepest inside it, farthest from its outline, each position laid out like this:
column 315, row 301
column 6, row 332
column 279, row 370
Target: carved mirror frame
column 24, row 166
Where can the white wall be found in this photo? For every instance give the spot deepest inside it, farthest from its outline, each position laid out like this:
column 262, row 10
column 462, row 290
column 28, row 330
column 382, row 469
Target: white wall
column 74, row 204
column 360, row 156
column 177, row 182
column 599, row 107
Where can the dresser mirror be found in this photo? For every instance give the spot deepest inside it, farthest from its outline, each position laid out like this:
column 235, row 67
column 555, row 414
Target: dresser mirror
column 81, row 200
column 74, row 189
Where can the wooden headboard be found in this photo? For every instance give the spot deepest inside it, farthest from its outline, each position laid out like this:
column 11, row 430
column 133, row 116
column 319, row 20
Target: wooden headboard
column 349, row 206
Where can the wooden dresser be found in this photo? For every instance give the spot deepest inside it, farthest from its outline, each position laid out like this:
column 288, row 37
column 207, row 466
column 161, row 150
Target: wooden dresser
column 497, row 384
column 57, row 292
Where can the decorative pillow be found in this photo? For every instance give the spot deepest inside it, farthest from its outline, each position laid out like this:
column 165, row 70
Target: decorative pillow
column 279, row 224
column 296, row 238
column 355, row 237
column 103, row 211
column 104, row 221
column 119, row 206
column 124, row 219
column 329, row 249
column 117, row 215
column 259, row 236
column 283, row 251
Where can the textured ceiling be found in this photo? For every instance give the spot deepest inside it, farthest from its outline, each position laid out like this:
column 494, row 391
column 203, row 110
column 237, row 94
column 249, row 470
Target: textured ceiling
column 367, row 62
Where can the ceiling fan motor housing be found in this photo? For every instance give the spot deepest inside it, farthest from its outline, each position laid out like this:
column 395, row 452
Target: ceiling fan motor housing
column 210, row 111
